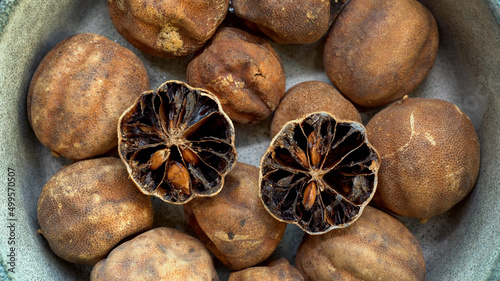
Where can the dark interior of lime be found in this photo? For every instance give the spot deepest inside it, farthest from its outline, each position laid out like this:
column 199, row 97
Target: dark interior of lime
column 177, row 143
column 319, row 173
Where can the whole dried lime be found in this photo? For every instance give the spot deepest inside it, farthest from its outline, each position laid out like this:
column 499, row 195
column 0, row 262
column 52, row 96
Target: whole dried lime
column 377, row 52
column 288, row 22
column 88, row 207
column 159, row 254
column 167, row 28
column 276, row 270
column 243, row 71
column 309, row 97
column 177, row 143
column 375, row 247
column 430, row 156
column 234, row 225
column 318, row 173
column 78, row 92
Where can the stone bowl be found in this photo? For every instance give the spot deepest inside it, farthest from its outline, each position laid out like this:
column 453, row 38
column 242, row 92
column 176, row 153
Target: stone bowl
column 461, row 244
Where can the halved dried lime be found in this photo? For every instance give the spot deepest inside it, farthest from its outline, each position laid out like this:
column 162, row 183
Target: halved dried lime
column 177, row 143
column 319, row 173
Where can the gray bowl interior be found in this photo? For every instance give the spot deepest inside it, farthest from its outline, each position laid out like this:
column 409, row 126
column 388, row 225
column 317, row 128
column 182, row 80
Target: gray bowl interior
column 462, row 244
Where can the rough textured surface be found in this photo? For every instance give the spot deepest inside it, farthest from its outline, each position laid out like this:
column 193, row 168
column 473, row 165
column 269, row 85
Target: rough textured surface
column 377, row 52
column 79, row 91
column 276, row 270
column 430, row 156
column 234, row 225
column 167, row 28
column 88, row 207
column 376, row 247
column 243, row 71
column 159, row 254
column 311, row 96
column 465, row 73
column 286, row 22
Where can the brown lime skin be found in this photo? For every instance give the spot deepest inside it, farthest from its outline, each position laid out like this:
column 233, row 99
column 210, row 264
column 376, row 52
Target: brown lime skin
column 288, row 22
column 158, row 254
column 430, row 156
column 234, row 225
column 243, row 71
column 79, row 90
column 375, row 247
column 88, row 207
column 177, row 143
column 377, row 52
column 276, row 270
column 318, row 173
column 167, row 28
column 308, row 97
